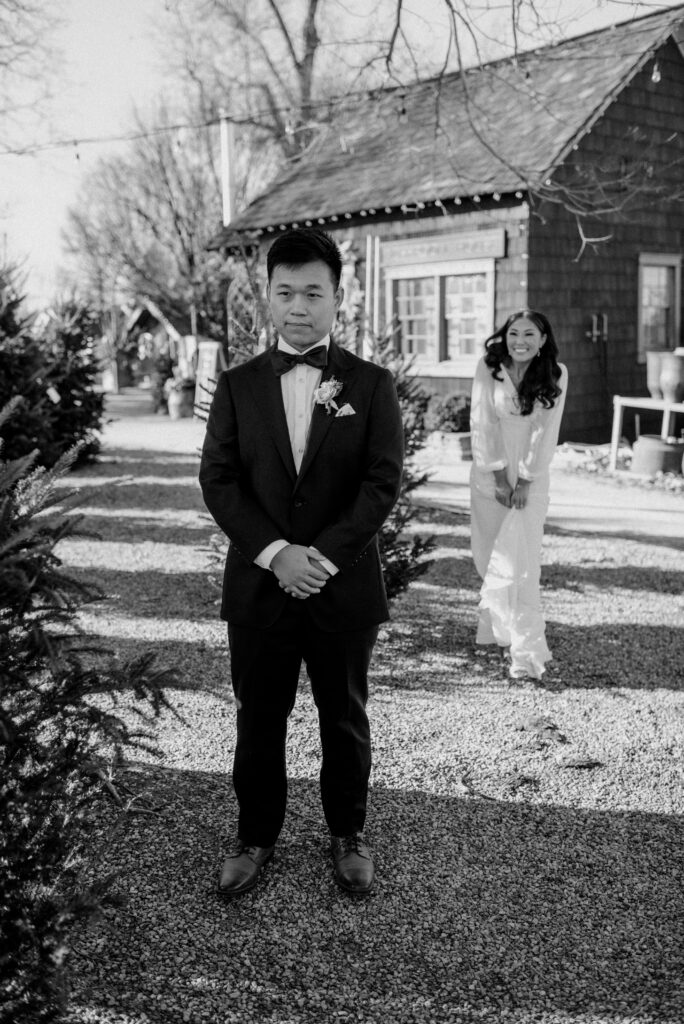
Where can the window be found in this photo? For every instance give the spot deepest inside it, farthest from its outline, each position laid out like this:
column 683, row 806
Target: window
column 659, row 306
column 415, row 306
column 444, row 312
column 466, row 314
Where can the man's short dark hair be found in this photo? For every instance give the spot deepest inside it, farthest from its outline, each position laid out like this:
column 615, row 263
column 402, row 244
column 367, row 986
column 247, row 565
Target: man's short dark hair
column 299, row 246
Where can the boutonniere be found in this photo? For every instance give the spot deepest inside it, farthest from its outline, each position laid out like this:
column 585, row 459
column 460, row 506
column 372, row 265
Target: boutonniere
column 327, row 393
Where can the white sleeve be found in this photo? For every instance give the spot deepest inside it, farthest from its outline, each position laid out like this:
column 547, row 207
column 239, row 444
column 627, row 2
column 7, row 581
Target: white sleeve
column 265, row 557
column 485, row 426
column 544, row 434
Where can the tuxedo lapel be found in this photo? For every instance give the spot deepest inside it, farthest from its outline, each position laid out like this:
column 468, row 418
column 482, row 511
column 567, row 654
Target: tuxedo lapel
column 341, row 368
column 268, row 397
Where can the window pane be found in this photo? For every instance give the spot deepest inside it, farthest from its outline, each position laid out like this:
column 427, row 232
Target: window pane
column 657, row 307
column 466, row 313
column 414, row 308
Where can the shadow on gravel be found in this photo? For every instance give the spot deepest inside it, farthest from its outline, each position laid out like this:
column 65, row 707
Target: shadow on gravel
column 560, row 576
column 675, row 540
column 638, row 657
column 155, row 528
column 458, row 570
column 445, row 658
column 200, row 666
column 143, row 494
column 163, row 595
column 482, row 910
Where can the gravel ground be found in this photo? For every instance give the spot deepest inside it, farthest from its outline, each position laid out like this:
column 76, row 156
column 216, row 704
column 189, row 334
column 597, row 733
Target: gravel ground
column 528, row 837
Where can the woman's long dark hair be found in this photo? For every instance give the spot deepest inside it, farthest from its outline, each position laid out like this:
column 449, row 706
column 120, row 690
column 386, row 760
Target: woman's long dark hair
column 539, row 383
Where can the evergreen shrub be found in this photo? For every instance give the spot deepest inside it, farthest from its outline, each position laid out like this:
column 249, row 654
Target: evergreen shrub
column 59, row 729
column 404, row 554
column 50, row 360
column 449, row 413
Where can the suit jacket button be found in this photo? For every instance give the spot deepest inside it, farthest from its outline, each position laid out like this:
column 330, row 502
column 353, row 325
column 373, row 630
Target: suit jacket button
column 298, row 503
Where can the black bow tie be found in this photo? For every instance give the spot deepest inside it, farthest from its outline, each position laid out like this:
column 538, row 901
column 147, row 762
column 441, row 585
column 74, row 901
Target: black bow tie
column 285, row 361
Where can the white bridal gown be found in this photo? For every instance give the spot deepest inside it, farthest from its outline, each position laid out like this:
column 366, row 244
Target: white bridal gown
column 506, row 543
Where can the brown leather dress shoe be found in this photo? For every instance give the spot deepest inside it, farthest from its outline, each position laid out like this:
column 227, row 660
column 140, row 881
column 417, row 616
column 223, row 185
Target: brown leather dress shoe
column 241, row 869
column 353, row 864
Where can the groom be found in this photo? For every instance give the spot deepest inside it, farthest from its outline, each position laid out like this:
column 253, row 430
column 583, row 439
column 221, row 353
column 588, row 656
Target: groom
column 301, row 466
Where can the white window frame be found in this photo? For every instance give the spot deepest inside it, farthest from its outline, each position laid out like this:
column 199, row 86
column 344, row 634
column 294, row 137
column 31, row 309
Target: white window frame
column 461, row 366
column 660, row 259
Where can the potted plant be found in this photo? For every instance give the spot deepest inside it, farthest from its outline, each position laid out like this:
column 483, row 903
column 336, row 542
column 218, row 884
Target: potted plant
column 179, row 392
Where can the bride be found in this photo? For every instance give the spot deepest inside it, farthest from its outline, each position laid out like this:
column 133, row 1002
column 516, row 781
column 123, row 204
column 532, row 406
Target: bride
column 517, row 402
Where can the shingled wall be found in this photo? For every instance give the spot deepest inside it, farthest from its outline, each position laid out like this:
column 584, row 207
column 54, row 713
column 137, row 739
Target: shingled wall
column 644, row 115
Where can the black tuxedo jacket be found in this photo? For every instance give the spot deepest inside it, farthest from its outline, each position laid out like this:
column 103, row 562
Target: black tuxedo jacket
column 346, row 487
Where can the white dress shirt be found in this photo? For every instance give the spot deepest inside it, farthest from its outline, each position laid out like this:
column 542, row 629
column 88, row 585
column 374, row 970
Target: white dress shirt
column 298, row 386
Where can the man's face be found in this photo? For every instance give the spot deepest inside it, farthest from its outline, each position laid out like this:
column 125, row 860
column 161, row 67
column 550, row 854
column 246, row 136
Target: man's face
column 303, row 303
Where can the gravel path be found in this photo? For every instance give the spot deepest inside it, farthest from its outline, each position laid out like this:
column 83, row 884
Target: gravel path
column 528, row 838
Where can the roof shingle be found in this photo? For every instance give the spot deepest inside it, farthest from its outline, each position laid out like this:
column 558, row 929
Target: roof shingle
column 496, row 128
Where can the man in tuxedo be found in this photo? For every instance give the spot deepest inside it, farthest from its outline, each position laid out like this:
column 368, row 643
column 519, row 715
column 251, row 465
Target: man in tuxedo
column 301, row 465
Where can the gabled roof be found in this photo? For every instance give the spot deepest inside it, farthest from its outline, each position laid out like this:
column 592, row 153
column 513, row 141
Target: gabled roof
column 149, row 312
column 493, row 129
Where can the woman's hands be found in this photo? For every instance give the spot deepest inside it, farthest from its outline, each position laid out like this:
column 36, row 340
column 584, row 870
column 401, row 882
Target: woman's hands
column 520, row 493
column 510, row 497
column 503, row 491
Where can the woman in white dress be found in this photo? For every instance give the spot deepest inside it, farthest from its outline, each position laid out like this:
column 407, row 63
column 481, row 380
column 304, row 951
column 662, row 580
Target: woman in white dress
column 517, row 403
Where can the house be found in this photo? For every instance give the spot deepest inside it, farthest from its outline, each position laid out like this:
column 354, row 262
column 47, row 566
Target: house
column 553, row 181
column 156, row 336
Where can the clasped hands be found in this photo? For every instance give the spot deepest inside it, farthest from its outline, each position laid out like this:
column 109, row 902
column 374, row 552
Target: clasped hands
column 299, row 572
column 510, row 497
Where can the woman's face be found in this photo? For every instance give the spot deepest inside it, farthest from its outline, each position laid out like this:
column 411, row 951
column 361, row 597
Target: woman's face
column 524, row 340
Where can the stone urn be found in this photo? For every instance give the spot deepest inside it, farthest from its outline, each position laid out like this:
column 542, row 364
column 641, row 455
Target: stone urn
column 653, row 357
column 180, row 398
column 672, row 375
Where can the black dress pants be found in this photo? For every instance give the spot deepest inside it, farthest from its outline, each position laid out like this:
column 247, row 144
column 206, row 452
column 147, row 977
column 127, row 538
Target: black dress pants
column 265, row 666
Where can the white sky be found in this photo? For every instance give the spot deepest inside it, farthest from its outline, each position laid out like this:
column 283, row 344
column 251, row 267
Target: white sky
column 111, row 67
column 113, row 63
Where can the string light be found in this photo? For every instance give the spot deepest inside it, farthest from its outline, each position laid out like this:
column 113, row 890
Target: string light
column 413, row 207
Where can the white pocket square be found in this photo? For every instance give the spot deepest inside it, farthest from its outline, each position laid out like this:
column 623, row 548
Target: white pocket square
column 346, row 410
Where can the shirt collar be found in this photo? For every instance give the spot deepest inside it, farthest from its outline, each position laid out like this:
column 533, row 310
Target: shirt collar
column 284, row 347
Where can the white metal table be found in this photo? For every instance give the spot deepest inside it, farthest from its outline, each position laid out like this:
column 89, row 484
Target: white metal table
column 668, row 410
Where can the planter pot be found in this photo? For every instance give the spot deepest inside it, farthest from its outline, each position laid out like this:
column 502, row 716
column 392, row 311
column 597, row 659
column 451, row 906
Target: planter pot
column 652, row 454
column 653, row 367
column 181, row 404
column 672, row 376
